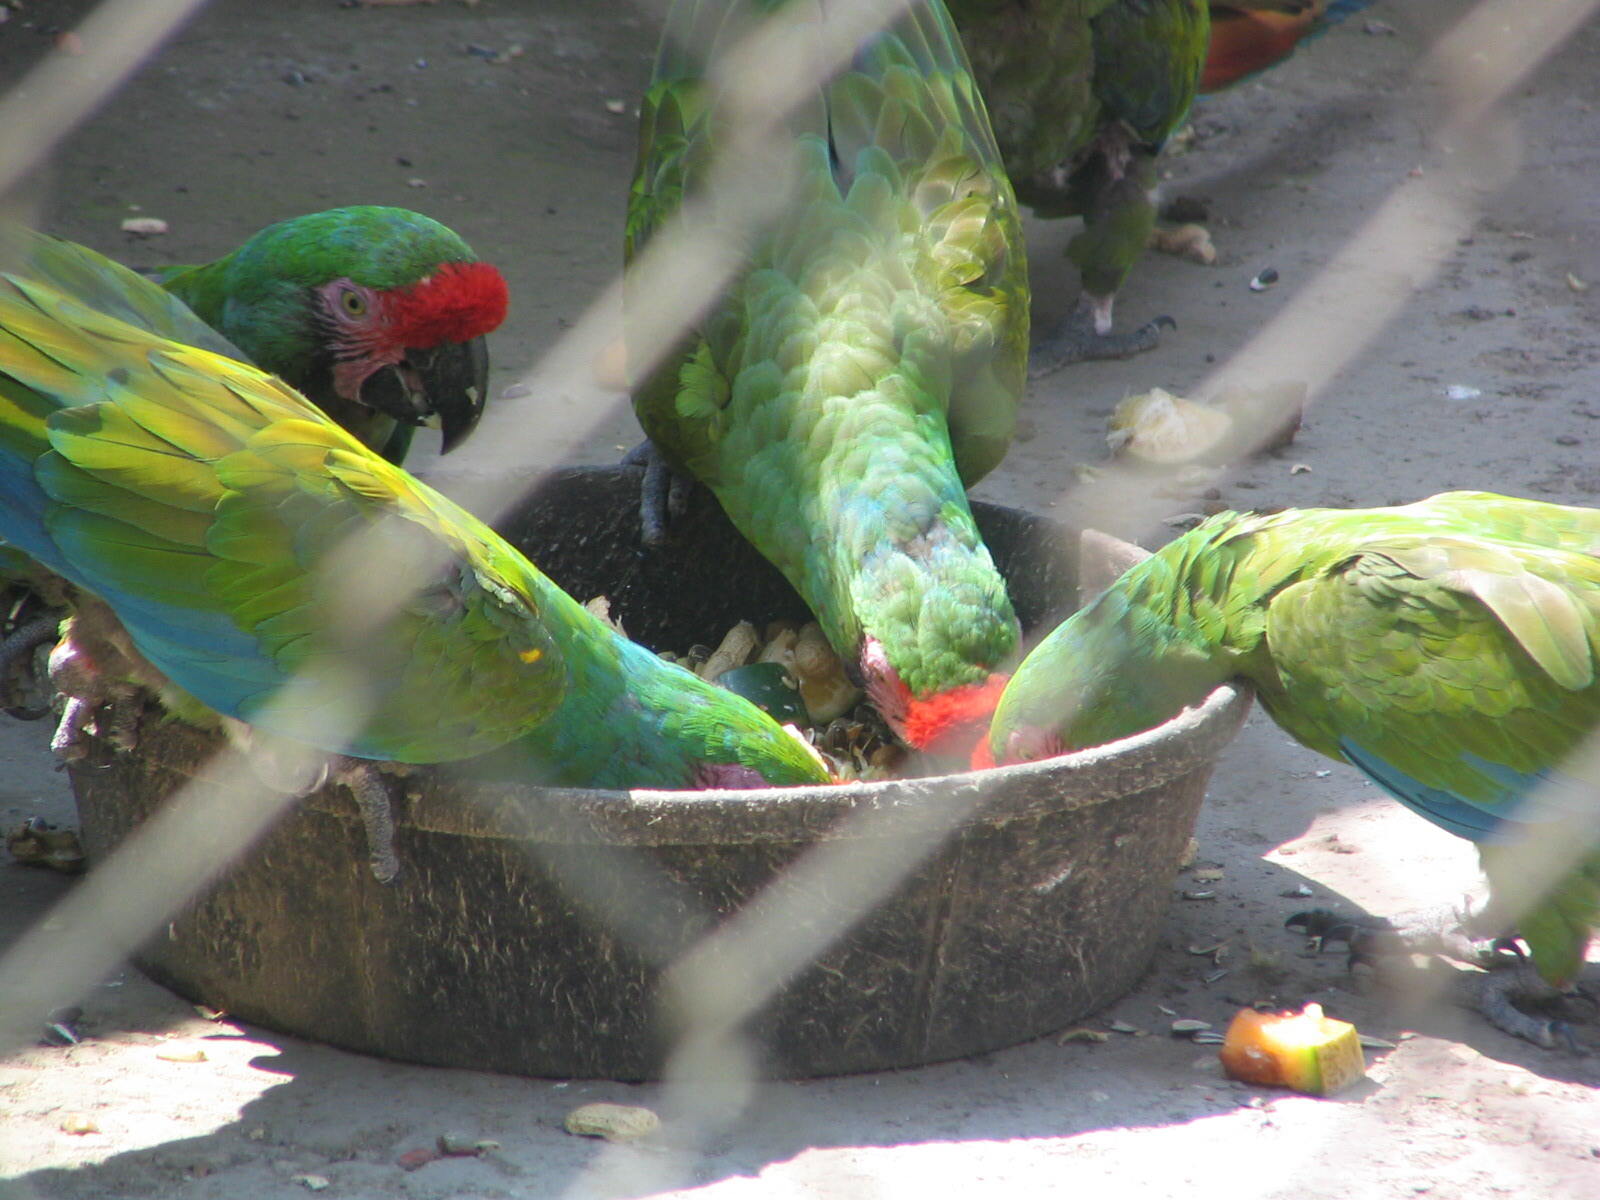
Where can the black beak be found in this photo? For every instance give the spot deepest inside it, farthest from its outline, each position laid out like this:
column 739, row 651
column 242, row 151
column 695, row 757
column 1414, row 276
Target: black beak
column 445, row 386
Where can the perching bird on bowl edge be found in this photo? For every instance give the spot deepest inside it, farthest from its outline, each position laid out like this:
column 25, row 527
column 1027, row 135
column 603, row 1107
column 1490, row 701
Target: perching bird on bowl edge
column 1445, row 648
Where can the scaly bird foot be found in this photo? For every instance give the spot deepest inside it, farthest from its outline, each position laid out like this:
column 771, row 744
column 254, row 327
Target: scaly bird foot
column 1507, row 975
column 372, row 797
column 24, row 688
column 1492, row 994
column 1370, row 940
column 1086, row 334
column 664, row 494
column 88, row 692
column 286, row 769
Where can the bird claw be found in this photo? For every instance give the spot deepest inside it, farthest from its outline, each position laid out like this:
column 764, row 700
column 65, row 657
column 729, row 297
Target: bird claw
column 1086, row 334
column 1322, row 925
column 69, row 742
column 372, row 798
column 663, row 495
column 1488, row 992
column 20, row 677
column 1491, row 993
column 1319, row 925
column 1562, row 1032
column 111, row 718
column 97, row 702
column 1458, row 933
column 1508, row 945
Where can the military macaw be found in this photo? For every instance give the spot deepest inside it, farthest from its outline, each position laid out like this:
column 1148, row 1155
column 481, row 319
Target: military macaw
column 1083, row 94
column 194, row 501
column 867, row 366
column 1249, row 36
column 1446, row 648
column 378, row 315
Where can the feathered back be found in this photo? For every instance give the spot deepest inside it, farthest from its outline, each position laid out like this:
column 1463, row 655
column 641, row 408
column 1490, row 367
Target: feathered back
column 869, row 363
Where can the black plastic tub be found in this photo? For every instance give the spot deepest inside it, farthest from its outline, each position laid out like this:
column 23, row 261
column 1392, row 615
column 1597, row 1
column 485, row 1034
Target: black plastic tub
column 530, row 927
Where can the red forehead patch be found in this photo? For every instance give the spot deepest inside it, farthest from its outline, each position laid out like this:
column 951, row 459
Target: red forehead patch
column 943, row 721
column 458, row 302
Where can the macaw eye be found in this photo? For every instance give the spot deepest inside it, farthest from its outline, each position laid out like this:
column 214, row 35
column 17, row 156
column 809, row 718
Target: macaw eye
column 354, row 303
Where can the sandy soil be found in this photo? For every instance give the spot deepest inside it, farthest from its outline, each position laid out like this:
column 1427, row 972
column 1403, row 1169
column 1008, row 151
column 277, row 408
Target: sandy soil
column 259, row 111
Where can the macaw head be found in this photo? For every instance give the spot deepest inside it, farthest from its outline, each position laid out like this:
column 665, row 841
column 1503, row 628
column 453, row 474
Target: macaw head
column 944, row 722
column 378, row 308
column 1112, row 669
column 415, row 353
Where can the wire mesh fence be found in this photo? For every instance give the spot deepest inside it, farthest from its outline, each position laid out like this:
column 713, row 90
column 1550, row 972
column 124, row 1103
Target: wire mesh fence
column 713, row 1071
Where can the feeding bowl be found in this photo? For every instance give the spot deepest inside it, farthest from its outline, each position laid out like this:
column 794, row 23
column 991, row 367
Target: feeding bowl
column 530, row 927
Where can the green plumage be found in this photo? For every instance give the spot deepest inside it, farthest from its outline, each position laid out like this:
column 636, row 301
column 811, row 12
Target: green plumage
column 1083, row 93
column 867, row 366
column 278, row 297
column 259, row 296
column 1447, row 648
column 202, row 499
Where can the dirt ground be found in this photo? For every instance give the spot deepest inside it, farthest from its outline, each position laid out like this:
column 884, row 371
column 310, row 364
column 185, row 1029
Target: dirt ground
column 259, row 111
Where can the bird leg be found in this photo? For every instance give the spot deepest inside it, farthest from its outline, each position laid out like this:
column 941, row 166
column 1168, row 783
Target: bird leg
column 283, row 768
column 1491, row 994
column 663, row 495
column 1454, row 933
column 20, row 678
column 1113, row 197
column 89, row 688
column 371, row 794
column 1115, row 148
column 1086, row 333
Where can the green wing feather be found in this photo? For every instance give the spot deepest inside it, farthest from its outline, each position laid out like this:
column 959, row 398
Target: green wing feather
column 1083, row 93
column 1148, row 59
column 1513, row 519
column 201, row 498
column 1423, row 649
column 1468, row 668
column 106, row 286
column 206, row 502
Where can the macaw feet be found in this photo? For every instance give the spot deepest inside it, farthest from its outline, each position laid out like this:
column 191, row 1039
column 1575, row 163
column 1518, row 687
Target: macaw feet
column 1452, row 932
column 25, row 689
column 96, row 704
column 1365, row 942
column 371, row 792
column 664, row 494
column 1506, row 977
column 1087, row 334
column 1494, row 995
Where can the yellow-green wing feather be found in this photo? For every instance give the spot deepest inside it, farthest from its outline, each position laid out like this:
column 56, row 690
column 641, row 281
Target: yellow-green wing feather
column 203, row 499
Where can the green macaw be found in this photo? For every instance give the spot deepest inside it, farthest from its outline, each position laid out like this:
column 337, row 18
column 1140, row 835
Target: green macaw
column 867, row 365
column 378, row 315
column 195, row 501
column 1083, row 94
column 1445, row 648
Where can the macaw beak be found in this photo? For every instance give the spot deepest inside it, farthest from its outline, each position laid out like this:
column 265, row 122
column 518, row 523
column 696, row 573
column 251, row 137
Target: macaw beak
column 443, row 387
